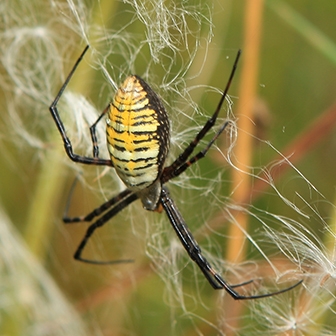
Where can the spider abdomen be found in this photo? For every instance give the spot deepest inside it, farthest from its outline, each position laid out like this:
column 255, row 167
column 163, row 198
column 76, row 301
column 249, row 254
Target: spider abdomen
column 137, row 133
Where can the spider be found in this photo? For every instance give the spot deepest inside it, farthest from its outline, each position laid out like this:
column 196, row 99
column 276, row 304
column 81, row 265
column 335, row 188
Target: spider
column 138, row 137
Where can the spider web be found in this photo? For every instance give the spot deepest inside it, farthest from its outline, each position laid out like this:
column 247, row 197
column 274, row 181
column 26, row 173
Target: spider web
column 174, row 48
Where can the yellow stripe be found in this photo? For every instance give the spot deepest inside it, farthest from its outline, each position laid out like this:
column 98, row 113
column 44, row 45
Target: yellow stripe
column 132, row 135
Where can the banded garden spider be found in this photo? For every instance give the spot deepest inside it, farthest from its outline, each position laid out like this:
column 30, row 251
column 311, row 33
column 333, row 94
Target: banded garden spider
column 138, row 137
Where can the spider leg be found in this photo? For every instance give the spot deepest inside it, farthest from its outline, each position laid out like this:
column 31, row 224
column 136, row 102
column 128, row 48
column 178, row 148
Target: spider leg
column 93, row 133
column 194, row 251
column 169, row 174
column 182, row 158
column 67, row 143
column 96, row 212
column 241, row 284
column 116, row 208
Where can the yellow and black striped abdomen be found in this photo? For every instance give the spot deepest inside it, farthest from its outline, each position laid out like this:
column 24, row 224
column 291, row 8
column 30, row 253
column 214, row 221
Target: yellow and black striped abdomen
column 137, row 133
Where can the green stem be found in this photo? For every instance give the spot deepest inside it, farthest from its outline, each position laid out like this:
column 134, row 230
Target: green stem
column 309, row 31
column 47, row 194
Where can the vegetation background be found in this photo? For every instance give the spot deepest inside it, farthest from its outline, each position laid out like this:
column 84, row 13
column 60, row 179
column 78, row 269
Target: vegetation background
column 258, row 214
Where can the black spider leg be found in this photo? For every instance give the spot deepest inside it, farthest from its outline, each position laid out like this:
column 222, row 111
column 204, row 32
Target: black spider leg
column 96, row 212
column 172, row 170
column 114, row 206
column 194, row 251
column 198, row 156
column 95, row 147
column 67, row 143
